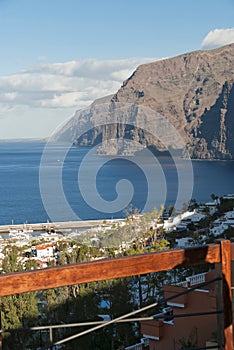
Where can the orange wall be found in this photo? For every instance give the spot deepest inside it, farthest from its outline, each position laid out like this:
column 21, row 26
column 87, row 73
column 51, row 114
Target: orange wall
column 170, row 335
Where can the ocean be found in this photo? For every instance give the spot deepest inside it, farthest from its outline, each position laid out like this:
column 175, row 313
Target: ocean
column 68, row 183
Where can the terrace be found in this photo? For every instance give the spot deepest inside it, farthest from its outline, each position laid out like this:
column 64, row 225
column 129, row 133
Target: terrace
column 221, row 253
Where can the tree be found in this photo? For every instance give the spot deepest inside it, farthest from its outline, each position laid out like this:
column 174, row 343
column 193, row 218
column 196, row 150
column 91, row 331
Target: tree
column 229, row 233
column 226, row 205
column 163, row 244
column 18, row 311
column 214, row 196
column 170, row 210
column 117, row 298
column 193, row 204
column 130, row 210
column 30, row 265
column 10, row 262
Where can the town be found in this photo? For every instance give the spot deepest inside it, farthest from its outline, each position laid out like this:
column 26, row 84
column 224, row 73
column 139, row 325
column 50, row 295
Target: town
column 196, row 225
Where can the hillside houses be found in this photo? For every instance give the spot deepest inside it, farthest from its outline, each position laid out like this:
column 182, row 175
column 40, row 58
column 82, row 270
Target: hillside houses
column 139, row 231
column 170, row 324
column 223, row 223
column 181, row 221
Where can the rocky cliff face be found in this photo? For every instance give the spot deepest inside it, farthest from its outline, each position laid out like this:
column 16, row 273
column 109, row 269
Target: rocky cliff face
column 194, row 92
column 213, row 135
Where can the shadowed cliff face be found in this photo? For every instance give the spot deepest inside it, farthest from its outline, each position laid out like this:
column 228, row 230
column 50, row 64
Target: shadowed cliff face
column 213, row 137
column 193, row 91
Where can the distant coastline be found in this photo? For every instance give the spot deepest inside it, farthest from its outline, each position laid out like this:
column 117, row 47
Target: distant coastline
column 24, row 140
column 158, row 153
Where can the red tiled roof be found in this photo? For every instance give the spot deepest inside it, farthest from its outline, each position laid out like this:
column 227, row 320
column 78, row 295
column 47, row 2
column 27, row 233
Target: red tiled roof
column 44, row 246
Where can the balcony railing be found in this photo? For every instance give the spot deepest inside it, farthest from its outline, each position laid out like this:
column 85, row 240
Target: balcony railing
column 135, row 347
column 220, row 253
column 192, row 280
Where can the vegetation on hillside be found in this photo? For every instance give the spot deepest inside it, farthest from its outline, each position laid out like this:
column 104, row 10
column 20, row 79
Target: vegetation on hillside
column 88, row 302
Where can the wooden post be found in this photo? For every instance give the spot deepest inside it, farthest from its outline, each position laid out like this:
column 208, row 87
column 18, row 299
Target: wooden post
column 226, row 295
column 0, row 324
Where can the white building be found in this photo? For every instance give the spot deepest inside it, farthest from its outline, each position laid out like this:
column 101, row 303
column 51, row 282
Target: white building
column 229, row 215
column 184, row 242
column 212, row 206
column 228, row 196
column 218, row 230
column 222, row 224
column 45, row 251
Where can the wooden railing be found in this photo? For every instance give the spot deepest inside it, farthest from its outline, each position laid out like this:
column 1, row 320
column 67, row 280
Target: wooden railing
column 220, row 253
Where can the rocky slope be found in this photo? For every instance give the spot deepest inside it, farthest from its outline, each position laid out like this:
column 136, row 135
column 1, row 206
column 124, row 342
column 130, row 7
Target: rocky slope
column 194, row 92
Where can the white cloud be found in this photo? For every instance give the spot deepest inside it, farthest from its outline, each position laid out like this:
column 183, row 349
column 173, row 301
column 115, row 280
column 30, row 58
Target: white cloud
column 62, row 87
column 64, row 100
column 91, row 68
column 218, row 37
column 74, row 81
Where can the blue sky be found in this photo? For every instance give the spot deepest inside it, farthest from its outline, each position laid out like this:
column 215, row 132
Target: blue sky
column 58, row 56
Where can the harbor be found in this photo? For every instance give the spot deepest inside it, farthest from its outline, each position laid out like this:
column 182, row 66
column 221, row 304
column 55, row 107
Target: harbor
column 53, row 226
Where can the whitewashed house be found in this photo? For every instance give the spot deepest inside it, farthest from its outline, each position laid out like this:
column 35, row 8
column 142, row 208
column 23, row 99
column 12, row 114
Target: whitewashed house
column 184, row 242
column 45, row 251
column 212, row 206
column 229, row 215
column 219, row 229
column 228, row 196
column 222, row 224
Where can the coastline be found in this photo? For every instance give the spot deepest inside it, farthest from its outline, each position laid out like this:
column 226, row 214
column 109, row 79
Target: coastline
column 58, row 225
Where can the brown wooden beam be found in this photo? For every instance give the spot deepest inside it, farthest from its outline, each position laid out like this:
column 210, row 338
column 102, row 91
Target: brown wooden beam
column 0, row 325
column 232, row 249
column 29, row 281
column 225, row 247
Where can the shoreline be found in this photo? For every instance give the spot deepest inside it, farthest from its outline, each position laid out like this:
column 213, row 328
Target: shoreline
column 163, row 154
column 58, row 226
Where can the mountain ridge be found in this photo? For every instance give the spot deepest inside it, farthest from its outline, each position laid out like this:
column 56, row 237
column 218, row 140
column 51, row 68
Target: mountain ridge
column 193, row 91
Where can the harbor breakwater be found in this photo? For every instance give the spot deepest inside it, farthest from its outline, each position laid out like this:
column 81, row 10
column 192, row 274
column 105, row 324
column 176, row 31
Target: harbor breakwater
column 56, row 226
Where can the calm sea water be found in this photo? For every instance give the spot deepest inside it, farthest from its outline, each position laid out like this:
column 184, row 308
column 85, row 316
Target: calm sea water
column 21, row 199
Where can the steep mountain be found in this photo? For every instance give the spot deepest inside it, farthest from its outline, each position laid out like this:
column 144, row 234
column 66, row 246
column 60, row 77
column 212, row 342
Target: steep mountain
column 194, row 92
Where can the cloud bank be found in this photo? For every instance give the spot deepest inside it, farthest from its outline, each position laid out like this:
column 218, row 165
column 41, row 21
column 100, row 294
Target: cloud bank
column 41, row 97
column 218, row 37
column 70, row 84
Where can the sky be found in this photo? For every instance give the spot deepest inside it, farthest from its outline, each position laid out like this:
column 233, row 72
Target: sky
column 57, row 56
